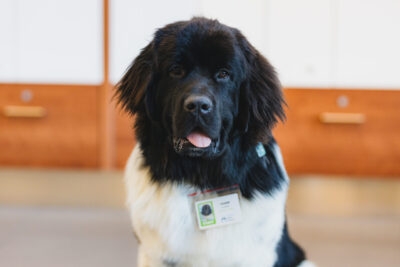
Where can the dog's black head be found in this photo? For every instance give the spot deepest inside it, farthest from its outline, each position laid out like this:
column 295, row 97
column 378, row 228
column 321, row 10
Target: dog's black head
column 203, row 84
column 203, row 98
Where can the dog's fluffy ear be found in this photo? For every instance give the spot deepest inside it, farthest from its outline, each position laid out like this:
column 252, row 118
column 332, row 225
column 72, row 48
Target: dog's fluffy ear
column 132, row 88
column 261, row 97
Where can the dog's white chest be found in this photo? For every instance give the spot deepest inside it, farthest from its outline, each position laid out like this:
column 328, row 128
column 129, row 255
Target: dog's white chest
column 162, row 218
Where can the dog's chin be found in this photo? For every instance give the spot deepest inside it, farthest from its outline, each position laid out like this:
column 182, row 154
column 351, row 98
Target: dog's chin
column 184, row 147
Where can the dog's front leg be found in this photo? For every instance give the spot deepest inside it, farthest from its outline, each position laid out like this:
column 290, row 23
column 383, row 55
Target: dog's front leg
column 142, row 258
column 145, row 260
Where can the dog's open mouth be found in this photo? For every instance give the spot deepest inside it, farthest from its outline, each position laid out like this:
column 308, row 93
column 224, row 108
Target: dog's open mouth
column 199, row 139
column 195, row 144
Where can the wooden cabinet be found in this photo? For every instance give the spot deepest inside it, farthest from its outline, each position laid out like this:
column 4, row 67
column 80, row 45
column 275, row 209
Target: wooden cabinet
column 327, row 131
column 350, row 132
column 337, row 58
column 49, row 125
column 51, row 72
column 59, row 60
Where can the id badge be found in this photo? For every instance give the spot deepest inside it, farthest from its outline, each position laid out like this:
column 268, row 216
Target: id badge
column 219, row 207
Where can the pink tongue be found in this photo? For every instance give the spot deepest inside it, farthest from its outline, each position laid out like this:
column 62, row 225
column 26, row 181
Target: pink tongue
column 199, row 139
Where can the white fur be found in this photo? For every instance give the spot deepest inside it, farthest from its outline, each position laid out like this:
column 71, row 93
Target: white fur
column 307, row 264
column 163, row 221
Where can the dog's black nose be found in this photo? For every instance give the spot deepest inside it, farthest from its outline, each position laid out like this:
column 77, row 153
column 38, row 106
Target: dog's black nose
column 201, row 104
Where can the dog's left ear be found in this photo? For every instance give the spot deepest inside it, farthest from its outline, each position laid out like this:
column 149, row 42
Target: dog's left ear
column 133, row 88
column 261, row 98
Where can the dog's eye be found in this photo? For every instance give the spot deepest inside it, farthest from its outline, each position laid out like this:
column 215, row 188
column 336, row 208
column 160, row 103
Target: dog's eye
column 222, row 74
column 176, row 71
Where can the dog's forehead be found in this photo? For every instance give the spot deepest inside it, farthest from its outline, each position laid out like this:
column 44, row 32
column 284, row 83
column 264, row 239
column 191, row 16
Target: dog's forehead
column 198, row 40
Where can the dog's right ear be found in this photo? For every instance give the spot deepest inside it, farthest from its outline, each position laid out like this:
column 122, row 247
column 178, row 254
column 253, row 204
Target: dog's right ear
column 132, row 88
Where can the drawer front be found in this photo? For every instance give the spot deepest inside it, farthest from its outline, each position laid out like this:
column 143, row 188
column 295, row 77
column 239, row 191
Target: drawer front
column 349, row 132
column 48, row 125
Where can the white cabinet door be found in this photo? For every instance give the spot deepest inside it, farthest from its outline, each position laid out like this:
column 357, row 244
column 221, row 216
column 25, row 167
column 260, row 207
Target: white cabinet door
column 8, row 41
column 60, row 41
column 312, row 43
column 368, row 43
column 301, row 41
column 133, row 23
column 295, row 37
column 249, row 16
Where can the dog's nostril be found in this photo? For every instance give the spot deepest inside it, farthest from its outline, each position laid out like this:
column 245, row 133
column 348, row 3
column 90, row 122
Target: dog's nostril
column 205, row 107
column 198, row 104
column 191, row 107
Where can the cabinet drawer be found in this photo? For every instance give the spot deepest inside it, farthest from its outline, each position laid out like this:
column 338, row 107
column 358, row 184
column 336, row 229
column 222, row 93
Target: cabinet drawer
column 350, row 132
column 48, row 125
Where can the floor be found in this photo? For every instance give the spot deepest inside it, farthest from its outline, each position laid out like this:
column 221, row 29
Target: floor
column 65, row 237
column 339, row 221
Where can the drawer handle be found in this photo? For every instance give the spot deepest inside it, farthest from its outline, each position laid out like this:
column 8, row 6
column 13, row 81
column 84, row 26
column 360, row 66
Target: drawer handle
column 342, row 118
column 24, row 112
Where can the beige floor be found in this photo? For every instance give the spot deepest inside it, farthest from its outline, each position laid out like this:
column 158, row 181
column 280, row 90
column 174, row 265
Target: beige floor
column 65, row 237
column 77, row 218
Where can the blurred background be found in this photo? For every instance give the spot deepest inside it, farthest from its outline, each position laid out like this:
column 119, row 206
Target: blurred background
column 63, row 141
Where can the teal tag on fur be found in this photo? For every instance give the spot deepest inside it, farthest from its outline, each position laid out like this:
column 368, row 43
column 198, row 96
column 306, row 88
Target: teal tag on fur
column 260, row 150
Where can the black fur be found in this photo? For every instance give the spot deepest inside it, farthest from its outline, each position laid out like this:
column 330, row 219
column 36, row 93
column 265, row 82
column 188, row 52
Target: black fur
column 244, row 99
column 289, row 253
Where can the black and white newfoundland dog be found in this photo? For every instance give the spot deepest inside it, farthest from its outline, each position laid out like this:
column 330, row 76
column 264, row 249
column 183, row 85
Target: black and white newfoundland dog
column 206, row 182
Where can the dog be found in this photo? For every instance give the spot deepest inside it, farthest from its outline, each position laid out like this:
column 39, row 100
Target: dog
column 204, row 102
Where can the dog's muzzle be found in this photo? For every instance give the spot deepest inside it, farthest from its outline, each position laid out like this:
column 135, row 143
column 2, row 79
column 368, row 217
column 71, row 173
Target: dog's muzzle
column 197, row 127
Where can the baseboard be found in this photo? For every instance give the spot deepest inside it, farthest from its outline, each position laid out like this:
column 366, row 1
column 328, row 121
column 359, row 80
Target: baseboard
column 62, row 187
column 308, row 195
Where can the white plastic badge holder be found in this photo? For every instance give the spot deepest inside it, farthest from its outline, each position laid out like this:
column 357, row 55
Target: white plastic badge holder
column 218, row 207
